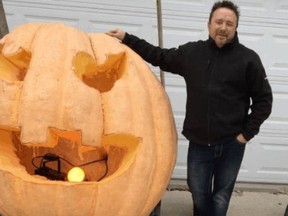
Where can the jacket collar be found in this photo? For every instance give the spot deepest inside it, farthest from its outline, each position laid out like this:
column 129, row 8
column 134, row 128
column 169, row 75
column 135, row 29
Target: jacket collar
column 230, row 45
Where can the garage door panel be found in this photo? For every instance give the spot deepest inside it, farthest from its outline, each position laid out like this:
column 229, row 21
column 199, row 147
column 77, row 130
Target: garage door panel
column 280, row 105
column 180, row 171
column 265, row 161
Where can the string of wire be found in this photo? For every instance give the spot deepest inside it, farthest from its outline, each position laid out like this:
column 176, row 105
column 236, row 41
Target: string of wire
column 81, row 165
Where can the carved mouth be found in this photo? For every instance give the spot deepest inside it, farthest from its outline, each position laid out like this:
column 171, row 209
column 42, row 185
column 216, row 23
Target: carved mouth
column 117, row 154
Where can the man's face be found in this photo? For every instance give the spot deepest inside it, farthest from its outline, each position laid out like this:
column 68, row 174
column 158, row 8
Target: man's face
column 222, row 26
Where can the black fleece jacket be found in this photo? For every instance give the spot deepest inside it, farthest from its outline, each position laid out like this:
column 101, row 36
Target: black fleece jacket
column 227, row 88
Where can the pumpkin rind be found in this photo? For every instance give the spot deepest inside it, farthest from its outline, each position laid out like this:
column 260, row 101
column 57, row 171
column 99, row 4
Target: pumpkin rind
column 131, row 114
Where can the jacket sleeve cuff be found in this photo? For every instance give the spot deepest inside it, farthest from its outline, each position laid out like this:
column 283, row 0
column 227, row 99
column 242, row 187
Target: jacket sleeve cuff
column 248, row 136
column 126, row 38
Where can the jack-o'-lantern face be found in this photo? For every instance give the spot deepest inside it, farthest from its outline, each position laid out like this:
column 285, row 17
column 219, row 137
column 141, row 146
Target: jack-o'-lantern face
column 91, row 101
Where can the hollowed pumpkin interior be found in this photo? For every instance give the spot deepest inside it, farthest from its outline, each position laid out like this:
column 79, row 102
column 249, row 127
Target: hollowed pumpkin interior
column 117, row 152
column 99, row 76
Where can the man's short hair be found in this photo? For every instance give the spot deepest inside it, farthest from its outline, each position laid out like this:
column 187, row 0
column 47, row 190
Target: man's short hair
column 225, row 4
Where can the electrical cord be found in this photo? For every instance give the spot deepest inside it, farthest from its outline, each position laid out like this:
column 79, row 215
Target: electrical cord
column 37, row 158
column 52, row 157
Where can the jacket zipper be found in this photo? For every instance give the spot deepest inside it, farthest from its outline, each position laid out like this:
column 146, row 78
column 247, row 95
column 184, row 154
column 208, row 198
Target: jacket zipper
column 209, row 97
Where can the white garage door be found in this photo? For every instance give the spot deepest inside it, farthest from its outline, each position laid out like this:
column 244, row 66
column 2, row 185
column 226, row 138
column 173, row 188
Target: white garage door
column 263, row 27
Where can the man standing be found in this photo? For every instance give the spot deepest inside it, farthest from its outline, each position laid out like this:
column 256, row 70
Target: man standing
column 228, row 98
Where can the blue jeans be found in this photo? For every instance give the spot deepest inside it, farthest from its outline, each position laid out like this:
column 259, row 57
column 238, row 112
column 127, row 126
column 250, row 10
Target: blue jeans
column 212, row 172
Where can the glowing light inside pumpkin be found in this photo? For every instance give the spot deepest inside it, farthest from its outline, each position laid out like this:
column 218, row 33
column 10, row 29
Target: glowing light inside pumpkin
column 76, row 174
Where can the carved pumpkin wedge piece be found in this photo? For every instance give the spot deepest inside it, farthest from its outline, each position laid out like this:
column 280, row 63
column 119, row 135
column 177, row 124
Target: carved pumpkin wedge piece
column 83, row 97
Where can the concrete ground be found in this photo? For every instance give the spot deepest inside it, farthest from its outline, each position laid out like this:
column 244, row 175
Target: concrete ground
column 252, row 200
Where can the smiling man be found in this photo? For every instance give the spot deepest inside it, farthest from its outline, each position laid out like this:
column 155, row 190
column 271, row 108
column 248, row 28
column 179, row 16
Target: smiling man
column 228, row 98
column 222, row 25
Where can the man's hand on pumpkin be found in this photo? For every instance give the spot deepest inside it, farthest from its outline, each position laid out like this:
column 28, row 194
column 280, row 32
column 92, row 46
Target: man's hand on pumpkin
column 117, row 33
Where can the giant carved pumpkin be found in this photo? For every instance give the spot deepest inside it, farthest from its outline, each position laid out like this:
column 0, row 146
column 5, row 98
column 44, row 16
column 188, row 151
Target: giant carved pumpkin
column 82, row 97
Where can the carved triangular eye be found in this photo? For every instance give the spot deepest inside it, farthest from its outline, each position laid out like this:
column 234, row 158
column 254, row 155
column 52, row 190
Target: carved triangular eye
column 14, row 67
column 99, row 76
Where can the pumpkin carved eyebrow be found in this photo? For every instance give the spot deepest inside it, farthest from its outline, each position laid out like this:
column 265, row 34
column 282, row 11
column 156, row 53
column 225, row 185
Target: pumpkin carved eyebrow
column 14, row 67
column 99, row 76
